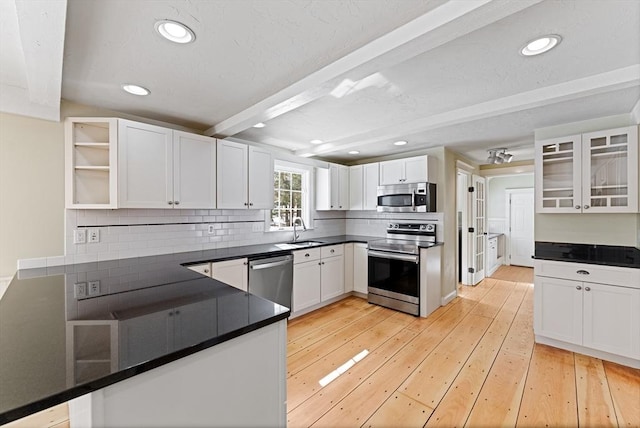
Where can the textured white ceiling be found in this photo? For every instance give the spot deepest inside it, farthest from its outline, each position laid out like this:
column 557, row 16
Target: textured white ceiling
column 358, row 74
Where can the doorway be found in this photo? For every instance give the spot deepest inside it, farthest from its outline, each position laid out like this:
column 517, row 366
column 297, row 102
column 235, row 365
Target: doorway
column 520, row 232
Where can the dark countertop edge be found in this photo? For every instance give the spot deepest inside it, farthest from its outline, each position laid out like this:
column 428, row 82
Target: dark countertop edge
column 77, row 391
column 588, row 262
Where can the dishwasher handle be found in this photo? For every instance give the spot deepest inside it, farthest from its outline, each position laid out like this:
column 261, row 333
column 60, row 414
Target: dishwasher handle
column 269, row 265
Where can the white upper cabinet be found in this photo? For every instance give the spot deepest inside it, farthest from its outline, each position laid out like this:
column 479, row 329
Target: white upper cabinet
column 332, row 188
column 245, row 176
column 589, row 173
column 194, row 171
column 416, row 169
column 91, row 156
column 162, row 168
column 363, row 186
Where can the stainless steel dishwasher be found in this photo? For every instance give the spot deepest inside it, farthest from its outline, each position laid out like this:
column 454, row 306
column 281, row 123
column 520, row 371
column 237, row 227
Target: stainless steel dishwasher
column 272, row 278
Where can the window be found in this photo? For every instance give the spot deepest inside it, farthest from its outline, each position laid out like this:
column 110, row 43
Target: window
column 290, row 195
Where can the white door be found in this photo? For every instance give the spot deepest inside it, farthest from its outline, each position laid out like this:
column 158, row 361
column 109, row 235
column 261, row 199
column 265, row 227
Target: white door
column 232, row 175
column 521, row 240
column 356, row 187
column 611, row 323
column 331, row 277
column 260, row 179
column 477, row 230
column 145, row 166
column 194, row 171
column 370, row 186
column 232, row 272
column 557, row 309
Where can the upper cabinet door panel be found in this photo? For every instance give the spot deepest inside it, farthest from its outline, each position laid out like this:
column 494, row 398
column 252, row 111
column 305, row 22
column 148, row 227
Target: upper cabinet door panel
column 260, row 178
column 391, row 172
column 356, row 187
column 370, row 186
column 558, row 178
column 610, row 171
column 194, row 171
column 343, row 188
column 232, row 173
column 416, row 170
column 145, row 171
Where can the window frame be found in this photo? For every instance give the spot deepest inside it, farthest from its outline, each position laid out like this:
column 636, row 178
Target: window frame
column 306, row 188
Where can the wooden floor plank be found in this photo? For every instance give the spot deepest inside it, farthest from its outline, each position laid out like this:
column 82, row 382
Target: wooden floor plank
column 433, row 377
column 321, row 402
column 624, row 385
column 306, row 323
column 399, row 411
column 595, row 408
column 364, row 400
column 327, row 329
column 550, row 393
column 520, row 339
column 304, row 384
column 455, row 407
column 493, row 301
column 317, row 350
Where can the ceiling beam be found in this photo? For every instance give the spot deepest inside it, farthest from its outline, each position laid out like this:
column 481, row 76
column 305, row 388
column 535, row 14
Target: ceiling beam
column 622, row 78
column 441, row 25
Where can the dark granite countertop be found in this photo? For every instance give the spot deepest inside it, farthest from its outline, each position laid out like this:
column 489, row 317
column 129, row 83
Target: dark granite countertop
column 55, row 346
column 609, row 255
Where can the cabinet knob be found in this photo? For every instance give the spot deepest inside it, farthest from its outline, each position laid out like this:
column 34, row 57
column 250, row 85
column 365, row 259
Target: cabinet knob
column 587, row 288
column 170, row 202
column 586, row 207
column 245, row 204
column 319, row 263
column 170, row 314
column 245, row 263
column 177, row 202
column 340, row 206
column 306, row 255
column 177, row 312
column 206, row 271
column 582, row 272
column 577, row 207
column 331, row 206
column 250, row 204
column 333, row 251
column 578, row 287
column 322, row 262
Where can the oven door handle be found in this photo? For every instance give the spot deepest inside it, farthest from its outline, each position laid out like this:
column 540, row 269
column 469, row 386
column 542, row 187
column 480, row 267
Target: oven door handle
column 394, row 256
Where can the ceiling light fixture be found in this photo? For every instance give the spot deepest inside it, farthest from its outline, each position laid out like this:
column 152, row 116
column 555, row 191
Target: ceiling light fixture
column 135, row 89
column 540, row 45
column 175, row 31
column 400, row 143
column 316, row 141
column 354, row 152
column 259, row 125
column 498, row 156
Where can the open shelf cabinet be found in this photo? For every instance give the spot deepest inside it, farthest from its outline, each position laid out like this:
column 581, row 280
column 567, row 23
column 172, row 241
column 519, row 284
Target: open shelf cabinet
column 91, row 153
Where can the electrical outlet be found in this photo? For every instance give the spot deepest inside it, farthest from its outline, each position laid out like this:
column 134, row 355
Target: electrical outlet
column 210, row 229
column 80, row 289
column 94, row 288
column 80, row 236
column 94, row 235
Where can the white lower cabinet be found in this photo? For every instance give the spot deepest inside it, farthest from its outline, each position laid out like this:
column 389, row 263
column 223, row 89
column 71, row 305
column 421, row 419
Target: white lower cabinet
column 318, row 275
column 232, row 272
column 360, row 268
column 593, row 316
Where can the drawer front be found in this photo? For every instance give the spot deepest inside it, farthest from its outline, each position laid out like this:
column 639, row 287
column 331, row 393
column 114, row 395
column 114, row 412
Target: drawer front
column 331, row 251
column 625, row 277
column 309, row 254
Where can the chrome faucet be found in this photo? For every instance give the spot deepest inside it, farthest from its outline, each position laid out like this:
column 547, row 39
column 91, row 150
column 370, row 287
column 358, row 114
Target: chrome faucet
column 295, row 231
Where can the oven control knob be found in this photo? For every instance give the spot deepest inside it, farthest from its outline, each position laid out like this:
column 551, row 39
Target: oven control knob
column 423, row 227
column 390, row 225
column 395, row 226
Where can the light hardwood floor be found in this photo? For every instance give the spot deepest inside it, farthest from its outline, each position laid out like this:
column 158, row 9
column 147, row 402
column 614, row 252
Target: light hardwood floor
column 471, row 363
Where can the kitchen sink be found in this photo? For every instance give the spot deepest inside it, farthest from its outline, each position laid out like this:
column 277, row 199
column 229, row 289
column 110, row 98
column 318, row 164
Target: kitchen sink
column 298, row 244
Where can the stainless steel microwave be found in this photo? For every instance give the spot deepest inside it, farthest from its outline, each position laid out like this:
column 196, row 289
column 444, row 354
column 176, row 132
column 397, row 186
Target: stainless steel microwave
column 407, row 198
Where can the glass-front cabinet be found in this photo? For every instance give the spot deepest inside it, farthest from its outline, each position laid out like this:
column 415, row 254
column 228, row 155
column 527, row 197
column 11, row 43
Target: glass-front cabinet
column 595, row 172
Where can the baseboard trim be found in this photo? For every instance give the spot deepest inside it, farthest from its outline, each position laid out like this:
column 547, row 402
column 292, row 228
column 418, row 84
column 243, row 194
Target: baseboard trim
column 625, row 361
column 449, row 297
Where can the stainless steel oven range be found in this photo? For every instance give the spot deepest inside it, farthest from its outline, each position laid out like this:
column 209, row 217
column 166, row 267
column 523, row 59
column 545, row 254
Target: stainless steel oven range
column 394, row 266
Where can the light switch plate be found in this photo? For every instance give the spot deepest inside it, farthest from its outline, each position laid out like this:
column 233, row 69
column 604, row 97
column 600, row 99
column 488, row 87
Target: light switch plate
column 80, row 290
column 80, row 236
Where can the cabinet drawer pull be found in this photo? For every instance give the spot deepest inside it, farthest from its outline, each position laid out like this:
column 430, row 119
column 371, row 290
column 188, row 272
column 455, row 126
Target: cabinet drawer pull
column 582, row 272
column 578, row 287
column 587, row 288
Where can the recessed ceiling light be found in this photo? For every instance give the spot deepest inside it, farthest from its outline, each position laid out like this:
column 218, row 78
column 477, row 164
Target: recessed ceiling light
column 354, row 152
column 175, row 31
column 316, row 141
column 259, row 125
column 540, row 45
column 135, row 89
column 400, row 143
